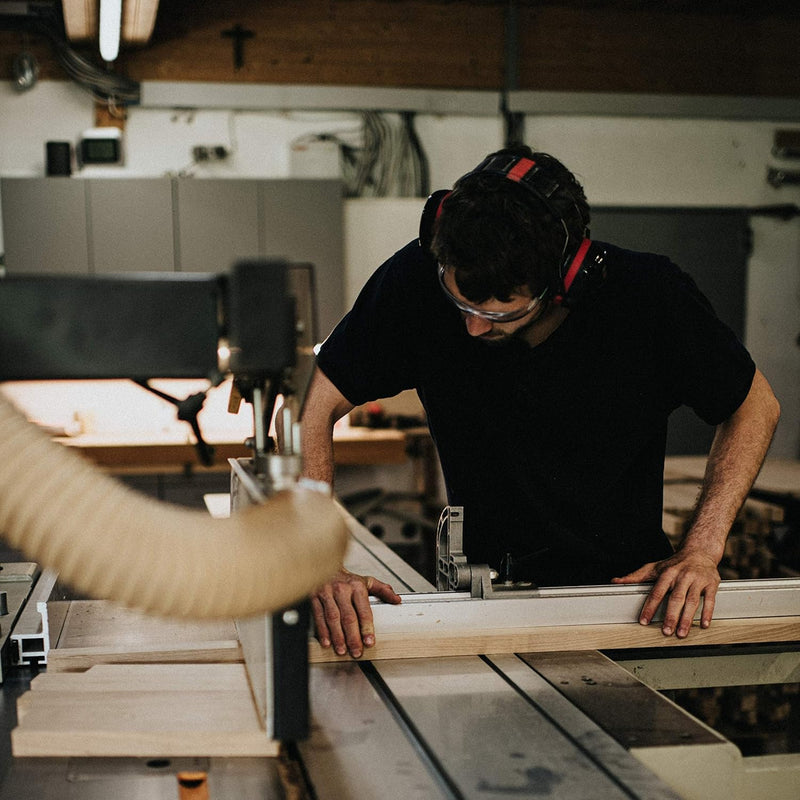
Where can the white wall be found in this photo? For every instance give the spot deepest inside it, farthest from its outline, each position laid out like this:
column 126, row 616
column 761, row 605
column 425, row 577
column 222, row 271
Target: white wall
column 630, row 161
column 620, row 160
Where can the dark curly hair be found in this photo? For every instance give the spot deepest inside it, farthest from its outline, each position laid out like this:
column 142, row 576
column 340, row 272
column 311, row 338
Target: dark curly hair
column 500, row 235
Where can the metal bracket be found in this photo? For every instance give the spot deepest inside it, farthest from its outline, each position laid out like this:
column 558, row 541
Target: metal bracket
column 275, row 647
column 453, row 572
column 31, row 636
column 16, row 583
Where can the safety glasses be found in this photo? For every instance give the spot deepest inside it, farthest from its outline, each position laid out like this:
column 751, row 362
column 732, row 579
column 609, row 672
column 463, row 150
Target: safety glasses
column 492, row 316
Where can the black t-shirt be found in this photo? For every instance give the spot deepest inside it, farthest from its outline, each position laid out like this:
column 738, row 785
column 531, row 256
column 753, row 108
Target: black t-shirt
column 556, row 451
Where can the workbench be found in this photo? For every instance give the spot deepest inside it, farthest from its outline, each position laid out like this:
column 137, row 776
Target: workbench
column 125, row 453
column 167, row 466
column 124, row 429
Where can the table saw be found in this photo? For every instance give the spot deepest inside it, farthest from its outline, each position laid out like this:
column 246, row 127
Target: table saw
column 540, row 715
column 468, row 692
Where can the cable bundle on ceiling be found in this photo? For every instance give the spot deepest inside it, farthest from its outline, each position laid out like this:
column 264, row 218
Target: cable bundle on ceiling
column 45, row 20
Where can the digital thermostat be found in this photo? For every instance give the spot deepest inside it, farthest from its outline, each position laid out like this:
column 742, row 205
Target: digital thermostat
column 101, row 146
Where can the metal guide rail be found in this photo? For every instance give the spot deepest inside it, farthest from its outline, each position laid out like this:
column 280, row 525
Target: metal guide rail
column 582, row 605
column 468, row 584
column 17, row 580
column 30, row 639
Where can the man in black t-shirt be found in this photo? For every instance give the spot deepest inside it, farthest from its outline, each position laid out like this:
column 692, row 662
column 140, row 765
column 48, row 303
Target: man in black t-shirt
column 548, row 365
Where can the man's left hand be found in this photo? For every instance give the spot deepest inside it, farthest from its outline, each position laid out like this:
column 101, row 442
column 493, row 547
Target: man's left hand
column 689, row 579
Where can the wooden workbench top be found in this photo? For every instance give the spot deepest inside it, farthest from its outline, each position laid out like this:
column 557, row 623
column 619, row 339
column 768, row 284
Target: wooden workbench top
column 129, row 451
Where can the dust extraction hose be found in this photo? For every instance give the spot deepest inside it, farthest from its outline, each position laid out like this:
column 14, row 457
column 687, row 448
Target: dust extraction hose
column 108, row 542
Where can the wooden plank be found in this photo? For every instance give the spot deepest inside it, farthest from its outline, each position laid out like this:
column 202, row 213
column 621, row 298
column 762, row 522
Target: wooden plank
column 77, row 659
column 426, row 641
column 367, row 446
column 93, row 623
column 125, row 724
column 144, row 677
column 155, row 457
column 100, row 632
column 181, row 711
column 123, row 454
column 430, row 643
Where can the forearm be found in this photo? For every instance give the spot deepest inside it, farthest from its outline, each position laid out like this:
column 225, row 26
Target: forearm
column 323, row 407
column 737, row 453
column 317, row 448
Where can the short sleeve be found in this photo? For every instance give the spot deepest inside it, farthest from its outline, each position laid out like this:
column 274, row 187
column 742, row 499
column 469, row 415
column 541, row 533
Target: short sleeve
column 708, row 367
column 373, row 352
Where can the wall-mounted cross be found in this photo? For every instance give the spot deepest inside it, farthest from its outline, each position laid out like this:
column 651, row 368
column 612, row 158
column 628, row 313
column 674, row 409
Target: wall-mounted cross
column 239, row 36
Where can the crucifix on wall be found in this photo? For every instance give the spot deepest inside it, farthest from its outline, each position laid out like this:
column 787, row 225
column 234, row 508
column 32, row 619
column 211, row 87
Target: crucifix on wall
column 239, row 35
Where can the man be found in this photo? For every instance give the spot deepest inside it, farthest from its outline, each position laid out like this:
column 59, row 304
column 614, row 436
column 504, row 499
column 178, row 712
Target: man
column 548, row 365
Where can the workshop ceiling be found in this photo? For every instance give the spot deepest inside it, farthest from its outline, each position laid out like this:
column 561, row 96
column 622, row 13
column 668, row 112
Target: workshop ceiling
column 727, row 47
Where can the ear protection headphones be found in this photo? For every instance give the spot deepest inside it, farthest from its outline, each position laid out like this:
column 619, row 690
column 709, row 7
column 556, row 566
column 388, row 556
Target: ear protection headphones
column 582, row 268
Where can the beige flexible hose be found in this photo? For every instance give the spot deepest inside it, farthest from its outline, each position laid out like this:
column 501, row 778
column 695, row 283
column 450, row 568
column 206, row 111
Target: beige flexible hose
column 109, row 542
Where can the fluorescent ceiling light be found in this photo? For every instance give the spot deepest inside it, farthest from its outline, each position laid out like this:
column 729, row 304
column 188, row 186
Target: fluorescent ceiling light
column 110, row 27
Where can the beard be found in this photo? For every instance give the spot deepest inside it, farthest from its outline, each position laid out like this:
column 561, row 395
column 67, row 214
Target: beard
column 499, row 338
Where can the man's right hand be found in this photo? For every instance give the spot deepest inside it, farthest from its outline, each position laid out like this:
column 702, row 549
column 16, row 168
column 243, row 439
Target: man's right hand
column 342, row 614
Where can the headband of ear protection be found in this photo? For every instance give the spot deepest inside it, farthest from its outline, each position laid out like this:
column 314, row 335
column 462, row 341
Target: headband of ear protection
column 581, row 268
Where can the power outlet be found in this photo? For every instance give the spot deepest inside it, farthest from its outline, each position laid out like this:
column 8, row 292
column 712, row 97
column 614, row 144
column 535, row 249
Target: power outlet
column 215, row 152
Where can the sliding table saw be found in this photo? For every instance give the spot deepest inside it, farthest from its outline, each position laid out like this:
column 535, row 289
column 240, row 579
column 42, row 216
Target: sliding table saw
column 470, row 692
column 526, row 709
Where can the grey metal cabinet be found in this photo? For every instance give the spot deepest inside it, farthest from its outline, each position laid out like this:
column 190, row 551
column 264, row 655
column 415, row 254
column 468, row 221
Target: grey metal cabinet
column 106, row 225
column 87, row 225
column 302, row 220
column 44, row 225
column 217, row 223
column 130, row 225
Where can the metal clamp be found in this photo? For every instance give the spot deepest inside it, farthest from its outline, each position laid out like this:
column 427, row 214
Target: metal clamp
column 453, row 572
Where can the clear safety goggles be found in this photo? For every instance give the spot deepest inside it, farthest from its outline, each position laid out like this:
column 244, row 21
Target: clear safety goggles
column 491, row 316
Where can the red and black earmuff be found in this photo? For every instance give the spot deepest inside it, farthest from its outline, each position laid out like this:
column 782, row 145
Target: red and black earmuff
column 582, row 268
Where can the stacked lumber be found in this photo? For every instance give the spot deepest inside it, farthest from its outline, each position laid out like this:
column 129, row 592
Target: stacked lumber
column 748, row 551
column 121, row 683
column 147, row 710
column 756, row 718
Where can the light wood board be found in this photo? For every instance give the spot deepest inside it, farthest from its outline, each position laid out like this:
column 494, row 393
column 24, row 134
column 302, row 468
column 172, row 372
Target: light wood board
column 89, row 623
column 78, row 659
column 142, row 710
column 99, row 632
column 427, row 643
column 408, row 640
column 424, row 643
